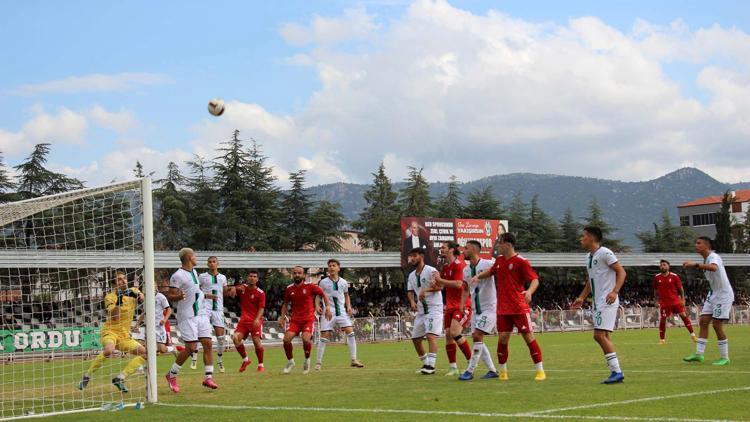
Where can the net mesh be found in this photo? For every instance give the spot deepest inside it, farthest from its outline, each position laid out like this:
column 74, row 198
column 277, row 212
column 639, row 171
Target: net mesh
column 58, row 257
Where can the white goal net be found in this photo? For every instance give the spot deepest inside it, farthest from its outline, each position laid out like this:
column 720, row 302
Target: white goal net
column 66, row 343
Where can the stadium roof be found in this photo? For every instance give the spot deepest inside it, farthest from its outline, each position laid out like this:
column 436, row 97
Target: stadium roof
column 231, row 259
column 739, row 196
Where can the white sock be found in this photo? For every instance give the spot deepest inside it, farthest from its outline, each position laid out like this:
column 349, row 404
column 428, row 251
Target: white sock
column 723, row 348
column 612, row 362
column 220, row 351
column 351, row 341
column 246, row 358
column 122, row 376
column 487, row 358
column 290, row 361
column 321, row 349
column 423, row 358
column 503, row 366
column 194, row 356
column 170, row 349
column 700, row 346
column 476, row 354
column 209, row 371
column 539, row 366
column 175, row 369
column 431, row 359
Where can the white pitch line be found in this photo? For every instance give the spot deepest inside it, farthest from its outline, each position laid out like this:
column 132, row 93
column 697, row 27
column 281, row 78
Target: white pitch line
column 531, row 415
column 640, row 400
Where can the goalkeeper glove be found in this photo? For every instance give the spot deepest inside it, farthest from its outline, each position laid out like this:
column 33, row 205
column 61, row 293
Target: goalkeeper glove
column 132, row 292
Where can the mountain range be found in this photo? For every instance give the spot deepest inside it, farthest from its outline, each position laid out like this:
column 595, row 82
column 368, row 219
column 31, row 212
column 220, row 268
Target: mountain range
column 631, row 207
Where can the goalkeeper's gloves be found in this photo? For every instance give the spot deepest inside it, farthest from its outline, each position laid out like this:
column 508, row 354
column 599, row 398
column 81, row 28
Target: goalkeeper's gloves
column 132, row 292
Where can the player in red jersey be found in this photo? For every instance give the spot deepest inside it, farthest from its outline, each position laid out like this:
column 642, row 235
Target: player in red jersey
column 671, row 298
column 301, row 296
column 252, row 304
column 458, row 304
column 512, row 273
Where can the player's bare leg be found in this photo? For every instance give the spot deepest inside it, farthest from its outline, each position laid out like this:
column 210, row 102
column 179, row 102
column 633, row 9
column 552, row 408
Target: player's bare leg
column 182, row 356
column 220, row 332
column 605, row 342
column 479, row 351
column 700, row 346
column 259, row 351
column 239, row 345
column 208, row 364
column 325, row 338
column 351, row 342
column 288, row 350
column 536, row 355
column 455, row 340
column 419, row 347
column 429, row 367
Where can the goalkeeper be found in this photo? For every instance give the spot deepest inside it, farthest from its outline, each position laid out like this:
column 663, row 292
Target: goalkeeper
column 120, row 304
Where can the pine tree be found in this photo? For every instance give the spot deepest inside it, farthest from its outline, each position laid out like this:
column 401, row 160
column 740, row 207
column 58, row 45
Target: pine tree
column 297, row 221
column 7, row 186
column 231, row 177
column 666, row 237
column 518, row 215
column 171, row 222
column 379, row 220
column 723, row 242
column 203, row 207
column 450, row 205
column 34, row 180
column 263, row 214
column 543, row 234
column 570, row 233
column 328, row 224
column 741, row 235
column 596, row 218
column 482, row 204
column 414, row 198
column 138, row 170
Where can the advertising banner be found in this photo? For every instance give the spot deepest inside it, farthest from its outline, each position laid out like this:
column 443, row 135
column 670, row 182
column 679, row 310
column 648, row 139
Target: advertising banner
column 20, row 341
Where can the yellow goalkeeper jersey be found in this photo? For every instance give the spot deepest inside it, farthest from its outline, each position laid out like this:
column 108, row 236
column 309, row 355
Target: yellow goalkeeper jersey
column 122, row 322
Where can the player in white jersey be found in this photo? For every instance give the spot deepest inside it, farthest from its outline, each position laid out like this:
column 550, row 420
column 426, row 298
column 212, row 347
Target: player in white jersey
column 718, row 304
column 337, row 290
column 214, row 286
column 161, row 309
column 192, row 321
column 484, row 303
column 426, row 299
column 605, row 279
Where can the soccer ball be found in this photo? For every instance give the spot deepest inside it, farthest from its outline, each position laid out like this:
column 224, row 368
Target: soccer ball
column 216, row 106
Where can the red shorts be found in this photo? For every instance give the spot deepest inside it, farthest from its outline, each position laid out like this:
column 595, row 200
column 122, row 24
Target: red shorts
column 505, row 323
column 301, row 326
column 245, row 328
column 668, row 310
column 463, row 317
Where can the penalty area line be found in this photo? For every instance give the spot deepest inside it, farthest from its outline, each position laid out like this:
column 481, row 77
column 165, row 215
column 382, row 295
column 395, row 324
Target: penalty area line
column 531, row 415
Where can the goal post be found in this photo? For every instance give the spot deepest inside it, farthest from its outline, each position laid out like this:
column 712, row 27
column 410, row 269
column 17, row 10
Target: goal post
column 65, row 310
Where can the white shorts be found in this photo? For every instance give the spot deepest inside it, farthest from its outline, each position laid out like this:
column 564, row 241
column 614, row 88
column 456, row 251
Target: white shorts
column 605, row 317
column 216, row 318
column 341, row 322
column 717, row 310
column 427, row 324
column 485, row 322
column 161, row 334
column 195, row 328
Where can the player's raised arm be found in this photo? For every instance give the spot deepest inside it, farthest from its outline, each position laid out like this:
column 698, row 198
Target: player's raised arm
column 484, row 274
column 440, row 281
column 174, row 294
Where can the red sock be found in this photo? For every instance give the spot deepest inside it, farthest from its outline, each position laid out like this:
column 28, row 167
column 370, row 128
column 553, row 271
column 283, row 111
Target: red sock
column 450, row 349
column 535, row 351
column 465, row 349
column 307, row 346
column 259, row 353
column 288, row 350
column 662, row 327
column 241, row 350
column 502, row 353
column 688, row 324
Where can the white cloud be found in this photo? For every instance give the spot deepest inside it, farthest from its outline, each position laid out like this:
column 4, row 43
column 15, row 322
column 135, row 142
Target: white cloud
column 120, row 121
column 93, row 83
column 356, row 24
column 66, row 127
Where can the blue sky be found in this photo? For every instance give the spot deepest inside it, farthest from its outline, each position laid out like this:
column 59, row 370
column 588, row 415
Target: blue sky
column 111, row 82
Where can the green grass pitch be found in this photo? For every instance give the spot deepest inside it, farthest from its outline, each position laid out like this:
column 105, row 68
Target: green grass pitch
column 658, row 385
